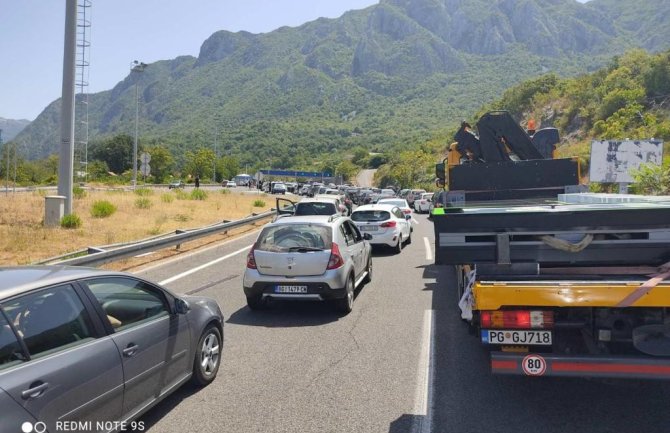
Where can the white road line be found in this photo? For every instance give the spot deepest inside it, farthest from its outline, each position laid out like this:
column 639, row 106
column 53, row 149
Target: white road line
column 423, row 401
column 191, row 254
column 201, row 267
column 429, row 249
column 415, row 221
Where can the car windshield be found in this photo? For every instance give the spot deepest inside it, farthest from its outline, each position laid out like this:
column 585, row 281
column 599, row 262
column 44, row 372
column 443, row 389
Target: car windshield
column 399, row 203
column 315, row 208
column 370, row 215
column 294, row 237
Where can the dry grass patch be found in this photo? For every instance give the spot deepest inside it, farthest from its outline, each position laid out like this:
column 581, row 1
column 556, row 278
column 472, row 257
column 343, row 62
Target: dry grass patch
column 24, row 239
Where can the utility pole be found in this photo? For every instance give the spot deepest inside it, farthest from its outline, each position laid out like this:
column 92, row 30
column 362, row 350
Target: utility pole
column 7, row 171
column 136, row 66
column 66, row 157
column 216, row 132
column 15, row 158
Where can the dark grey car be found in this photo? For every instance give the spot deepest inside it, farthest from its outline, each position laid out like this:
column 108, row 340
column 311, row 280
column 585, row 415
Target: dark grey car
column 89, row 345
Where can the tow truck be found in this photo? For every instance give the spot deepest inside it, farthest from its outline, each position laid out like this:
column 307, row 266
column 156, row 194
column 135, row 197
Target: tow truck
column 552, row 288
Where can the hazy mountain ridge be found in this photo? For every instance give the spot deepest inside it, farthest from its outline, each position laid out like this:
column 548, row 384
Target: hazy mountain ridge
column 11, row 127
column 390, row 74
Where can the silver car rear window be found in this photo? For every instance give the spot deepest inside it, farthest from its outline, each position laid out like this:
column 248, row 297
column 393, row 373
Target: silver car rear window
column 370, row 215
column 294, row 236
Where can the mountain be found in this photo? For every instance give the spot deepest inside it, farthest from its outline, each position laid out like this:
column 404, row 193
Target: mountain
column 384, row 77
column 11, row 127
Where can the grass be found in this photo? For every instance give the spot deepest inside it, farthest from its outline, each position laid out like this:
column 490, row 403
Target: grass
column 102, row 209
column 24, row 239
column 143, row 203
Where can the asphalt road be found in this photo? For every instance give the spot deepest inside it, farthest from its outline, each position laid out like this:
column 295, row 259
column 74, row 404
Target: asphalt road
column 402, row 361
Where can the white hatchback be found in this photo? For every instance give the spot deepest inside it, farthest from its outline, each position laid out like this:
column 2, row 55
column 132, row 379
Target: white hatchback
column 387, row 224
column 422, row 204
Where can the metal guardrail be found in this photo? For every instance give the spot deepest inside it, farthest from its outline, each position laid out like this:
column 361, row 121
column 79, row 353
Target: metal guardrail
column 99, row 256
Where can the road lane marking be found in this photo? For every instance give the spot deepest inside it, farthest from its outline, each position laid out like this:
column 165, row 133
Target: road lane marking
column 429, row 249
column 423, row 401
column 193, row 253
column 201, row 267
column 416, row 222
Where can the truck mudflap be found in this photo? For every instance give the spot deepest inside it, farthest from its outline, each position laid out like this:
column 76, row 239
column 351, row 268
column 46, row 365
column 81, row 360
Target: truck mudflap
column 541, row 364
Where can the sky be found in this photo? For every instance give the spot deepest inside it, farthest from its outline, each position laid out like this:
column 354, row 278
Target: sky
column 31, row 38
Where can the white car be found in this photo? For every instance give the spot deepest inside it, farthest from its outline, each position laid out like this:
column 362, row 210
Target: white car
column 422, row 204
column 387, row 224
column 330, row 205
column 231, row 184
column 400, row 202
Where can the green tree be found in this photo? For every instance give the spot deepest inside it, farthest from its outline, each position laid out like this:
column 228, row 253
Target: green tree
column 228, row 166
column 199, row 163
column 652, row 179
column 116, row 152
column 346, row 169
column 162, row 163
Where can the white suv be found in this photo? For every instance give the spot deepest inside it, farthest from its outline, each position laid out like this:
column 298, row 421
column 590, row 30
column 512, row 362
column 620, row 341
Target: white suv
column 313, row 257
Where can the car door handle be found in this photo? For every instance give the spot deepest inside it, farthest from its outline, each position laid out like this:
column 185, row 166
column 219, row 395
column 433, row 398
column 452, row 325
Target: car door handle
column 36, row 391
column 130, row 350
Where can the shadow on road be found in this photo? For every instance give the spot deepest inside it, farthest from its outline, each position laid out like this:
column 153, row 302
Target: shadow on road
column 286, row 314
column 155, row 414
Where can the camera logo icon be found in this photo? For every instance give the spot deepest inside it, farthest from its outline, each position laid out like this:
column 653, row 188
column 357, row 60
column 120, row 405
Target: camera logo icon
column 38, row 427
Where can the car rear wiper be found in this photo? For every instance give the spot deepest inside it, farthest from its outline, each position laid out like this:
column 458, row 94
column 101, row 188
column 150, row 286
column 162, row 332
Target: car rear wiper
column 304, row 249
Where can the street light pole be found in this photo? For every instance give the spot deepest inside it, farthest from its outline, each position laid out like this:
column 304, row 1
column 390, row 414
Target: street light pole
column 136, row 67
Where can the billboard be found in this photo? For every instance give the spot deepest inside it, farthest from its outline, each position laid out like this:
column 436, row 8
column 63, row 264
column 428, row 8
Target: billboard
column 612, row 160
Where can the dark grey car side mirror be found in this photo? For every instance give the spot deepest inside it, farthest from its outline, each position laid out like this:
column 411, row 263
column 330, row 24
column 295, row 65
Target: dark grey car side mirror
column 181, row 306
column 367, row 236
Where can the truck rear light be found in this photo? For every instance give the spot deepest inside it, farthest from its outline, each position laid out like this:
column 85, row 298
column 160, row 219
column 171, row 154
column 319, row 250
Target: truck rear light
column 251, row 260
column 388, row 224
column 517, row 319
column 336, row 259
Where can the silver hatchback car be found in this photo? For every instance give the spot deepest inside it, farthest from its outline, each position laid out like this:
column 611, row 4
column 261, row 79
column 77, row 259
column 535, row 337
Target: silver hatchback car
column 312, row 257
column 97, row 347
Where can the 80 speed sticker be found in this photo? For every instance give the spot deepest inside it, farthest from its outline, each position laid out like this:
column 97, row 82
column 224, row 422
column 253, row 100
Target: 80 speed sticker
column 534, row 365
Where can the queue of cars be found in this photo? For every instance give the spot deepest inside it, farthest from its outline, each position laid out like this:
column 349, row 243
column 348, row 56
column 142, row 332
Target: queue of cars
column 82, row 344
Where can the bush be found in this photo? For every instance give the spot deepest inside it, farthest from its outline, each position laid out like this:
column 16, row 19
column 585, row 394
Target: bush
column 198, row 194
column 143, row 203
column 78, row 192
column 102, row 209
column 71, row 221
column 167, row 198
column 143, row 192
column 225, row 191
column 259, row 203
column 181, row 194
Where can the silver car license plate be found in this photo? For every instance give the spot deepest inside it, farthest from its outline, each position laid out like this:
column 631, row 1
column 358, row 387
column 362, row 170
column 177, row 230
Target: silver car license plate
column 368, row 228
column 290, row 289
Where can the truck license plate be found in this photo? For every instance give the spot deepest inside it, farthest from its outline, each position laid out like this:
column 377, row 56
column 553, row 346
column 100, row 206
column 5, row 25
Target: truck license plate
column 534, row 338
column 291, row 289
